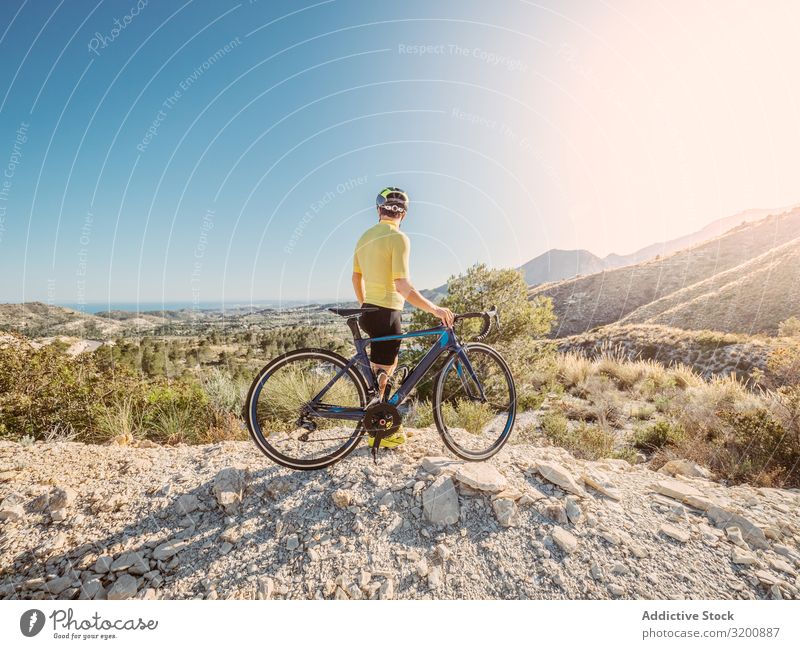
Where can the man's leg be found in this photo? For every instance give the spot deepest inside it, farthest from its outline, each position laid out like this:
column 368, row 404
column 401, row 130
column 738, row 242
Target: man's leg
column 383, row 379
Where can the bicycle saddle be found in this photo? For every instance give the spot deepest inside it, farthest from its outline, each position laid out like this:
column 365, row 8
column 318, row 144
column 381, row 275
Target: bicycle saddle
column 347, row 313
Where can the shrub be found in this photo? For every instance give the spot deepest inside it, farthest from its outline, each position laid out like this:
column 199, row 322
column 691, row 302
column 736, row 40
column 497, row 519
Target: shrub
column 657, row 436
column 757, row 449
column 420, row 414
column 225, row 393
column 790, row 327
column 584, row 440
column 472, row 416
column 573, row 369
column 555, row 426
column 784, row 364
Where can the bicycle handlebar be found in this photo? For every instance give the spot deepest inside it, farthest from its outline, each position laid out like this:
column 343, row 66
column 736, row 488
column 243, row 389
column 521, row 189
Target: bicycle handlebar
column 486, row 316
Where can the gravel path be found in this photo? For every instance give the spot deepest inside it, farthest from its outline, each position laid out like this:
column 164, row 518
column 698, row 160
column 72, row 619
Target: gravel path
column 221, row 521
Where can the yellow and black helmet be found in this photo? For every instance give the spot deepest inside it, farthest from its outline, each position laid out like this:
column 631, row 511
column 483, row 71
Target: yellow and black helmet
column 392, row 196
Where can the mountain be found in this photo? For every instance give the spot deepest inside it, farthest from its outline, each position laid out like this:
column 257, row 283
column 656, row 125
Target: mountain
column 559, row 264
column 745, row 280
column 556, row 264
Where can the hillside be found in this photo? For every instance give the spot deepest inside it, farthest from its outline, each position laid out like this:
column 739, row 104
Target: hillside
column 219, row 521
column 610, row 296
column 708, row 353
column 752, row 297
column 36, row 319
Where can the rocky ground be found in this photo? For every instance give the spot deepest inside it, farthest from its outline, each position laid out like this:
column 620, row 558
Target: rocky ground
column 221, row 521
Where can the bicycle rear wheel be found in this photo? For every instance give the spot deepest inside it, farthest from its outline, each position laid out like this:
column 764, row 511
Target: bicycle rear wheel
column 475, row 410
column 276, row 409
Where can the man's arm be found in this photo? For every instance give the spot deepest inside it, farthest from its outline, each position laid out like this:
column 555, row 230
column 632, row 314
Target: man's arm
column 358, row 287
column 417, row 299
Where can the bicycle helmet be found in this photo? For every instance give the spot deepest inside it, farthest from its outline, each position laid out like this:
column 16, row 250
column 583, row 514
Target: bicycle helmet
column 392, row 196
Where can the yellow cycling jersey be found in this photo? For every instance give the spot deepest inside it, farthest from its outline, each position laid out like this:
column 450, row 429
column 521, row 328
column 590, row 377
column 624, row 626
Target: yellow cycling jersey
column 381, row 256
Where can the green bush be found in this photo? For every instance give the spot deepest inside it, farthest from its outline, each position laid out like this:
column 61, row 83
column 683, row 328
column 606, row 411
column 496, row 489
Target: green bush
column 480, row 288
column 46, row 393
column 657, row 436
column 555, row 426
column 757, row 449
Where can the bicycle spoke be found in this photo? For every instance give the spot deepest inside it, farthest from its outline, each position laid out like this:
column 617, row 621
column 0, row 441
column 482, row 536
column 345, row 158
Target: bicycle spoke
column 284, row 399
column 474, row 426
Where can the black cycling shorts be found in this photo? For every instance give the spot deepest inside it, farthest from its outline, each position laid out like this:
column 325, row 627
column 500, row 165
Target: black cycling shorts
column 383, row 322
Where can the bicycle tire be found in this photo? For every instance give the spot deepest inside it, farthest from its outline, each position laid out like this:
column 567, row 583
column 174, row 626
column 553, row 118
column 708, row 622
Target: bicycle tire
column 438, row 417
column 251, row 404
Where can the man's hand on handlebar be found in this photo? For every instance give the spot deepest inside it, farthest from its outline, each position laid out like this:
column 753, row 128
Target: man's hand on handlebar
column 445, row 315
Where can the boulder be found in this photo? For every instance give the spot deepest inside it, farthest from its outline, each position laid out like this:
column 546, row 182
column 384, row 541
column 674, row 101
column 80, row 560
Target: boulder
column 558, row 475
column 228, row 489
column 61, row 498
column 751, row 533
column 436, row 465
column 12, row 513
column 124, row 588
column 440, row 502
column 504, row 510
column 481, row 477
column 599, row 481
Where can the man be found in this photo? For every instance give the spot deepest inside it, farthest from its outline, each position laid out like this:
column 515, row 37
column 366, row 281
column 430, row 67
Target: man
column 381, row 279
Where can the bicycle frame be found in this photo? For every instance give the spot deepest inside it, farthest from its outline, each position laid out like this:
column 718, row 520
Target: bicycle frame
column 447, row 342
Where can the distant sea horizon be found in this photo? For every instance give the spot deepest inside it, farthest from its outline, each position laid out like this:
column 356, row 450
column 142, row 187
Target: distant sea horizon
column 177, row 305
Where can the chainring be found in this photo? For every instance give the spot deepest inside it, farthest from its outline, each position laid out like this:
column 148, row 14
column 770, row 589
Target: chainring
column 382, row 418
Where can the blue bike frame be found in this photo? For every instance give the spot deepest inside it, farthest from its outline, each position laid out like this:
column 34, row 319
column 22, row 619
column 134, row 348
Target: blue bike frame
column 446, row 343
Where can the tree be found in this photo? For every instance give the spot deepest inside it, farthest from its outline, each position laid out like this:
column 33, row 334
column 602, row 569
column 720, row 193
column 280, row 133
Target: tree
column 480, row 288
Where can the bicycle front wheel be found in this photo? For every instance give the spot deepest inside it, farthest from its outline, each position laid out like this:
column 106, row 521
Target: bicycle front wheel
column 277, row 409
column 475, row 402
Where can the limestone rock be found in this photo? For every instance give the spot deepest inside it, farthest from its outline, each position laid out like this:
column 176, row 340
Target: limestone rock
column 565, row 540
column 103, row 564
column 599, row 481
column 436, row 465
column 187, row 504
column 573, row 510
column 124, row 588
column 228, row 489
column 675, row 532
column 58, row 585
column 481, row 477
column 342, row 498
column 743, row 557
column 132, row 562
column 12, row 513
column 504, row 510
column 685, row 468
column 169, row 549
column 557, row 474
column 751, row 533
column 440, row 502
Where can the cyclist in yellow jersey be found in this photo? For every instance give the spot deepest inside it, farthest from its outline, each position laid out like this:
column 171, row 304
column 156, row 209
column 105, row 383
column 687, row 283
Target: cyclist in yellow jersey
column 381, row 279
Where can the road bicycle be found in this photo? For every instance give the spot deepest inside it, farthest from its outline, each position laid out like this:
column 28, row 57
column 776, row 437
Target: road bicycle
column 309, row 408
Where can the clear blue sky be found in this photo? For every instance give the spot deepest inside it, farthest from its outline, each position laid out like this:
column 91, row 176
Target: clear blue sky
column 232, row 150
